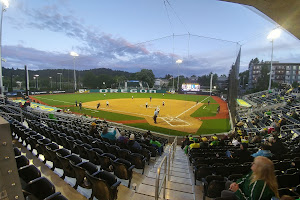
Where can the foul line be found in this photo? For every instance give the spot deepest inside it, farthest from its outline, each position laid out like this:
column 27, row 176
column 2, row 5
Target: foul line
column 56, row 100
column 191, row 107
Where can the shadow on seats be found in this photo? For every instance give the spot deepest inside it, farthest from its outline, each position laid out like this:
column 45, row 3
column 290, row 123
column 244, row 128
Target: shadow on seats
column 123, row 169
column 104, row 185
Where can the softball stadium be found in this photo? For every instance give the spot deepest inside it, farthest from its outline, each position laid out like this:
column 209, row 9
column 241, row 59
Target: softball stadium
column 180, row 114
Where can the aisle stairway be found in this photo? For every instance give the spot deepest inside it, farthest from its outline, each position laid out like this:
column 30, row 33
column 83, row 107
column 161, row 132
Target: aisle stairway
column 180, row 186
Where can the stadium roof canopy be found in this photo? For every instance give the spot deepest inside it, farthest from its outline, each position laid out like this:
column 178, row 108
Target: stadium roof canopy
column 284, row 12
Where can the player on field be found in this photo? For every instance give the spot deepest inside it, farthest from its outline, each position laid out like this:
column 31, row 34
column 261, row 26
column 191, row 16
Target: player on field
column 155, row 116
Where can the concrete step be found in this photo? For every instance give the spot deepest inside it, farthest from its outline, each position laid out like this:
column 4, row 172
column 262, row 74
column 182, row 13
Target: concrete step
column 171, row 185
column 170, row 194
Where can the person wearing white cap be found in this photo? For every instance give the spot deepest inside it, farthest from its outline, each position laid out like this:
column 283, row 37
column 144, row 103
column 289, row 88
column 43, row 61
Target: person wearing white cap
column 132, row 143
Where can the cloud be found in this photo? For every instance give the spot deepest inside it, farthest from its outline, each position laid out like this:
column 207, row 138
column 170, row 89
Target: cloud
column 99, row 49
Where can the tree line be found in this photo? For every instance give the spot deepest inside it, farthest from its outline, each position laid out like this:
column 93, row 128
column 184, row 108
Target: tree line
column 56, row 79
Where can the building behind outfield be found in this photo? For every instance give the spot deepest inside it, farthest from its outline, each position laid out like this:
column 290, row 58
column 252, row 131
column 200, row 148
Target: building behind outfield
column 281, row 72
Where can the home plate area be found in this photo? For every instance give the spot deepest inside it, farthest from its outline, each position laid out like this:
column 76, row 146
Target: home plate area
column 172, row 121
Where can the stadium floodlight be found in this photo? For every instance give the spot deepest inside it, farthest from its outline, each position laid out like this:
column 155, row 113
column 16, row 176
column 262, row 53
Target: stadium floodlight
column 5, row 5
column 59, row 80
column 272, row 36
column 37, row 81
column 74, row 54
column 50, row 82
column 179, row 61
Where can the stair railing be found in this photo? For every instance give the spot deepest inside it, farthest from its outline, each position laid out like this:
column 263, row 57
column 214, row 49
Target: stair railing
column 161, row 184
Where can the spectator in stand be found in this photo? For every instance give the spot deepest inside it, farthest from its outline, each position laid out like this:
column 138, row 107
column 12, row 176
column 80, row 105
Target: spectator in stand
column 148, row 133
column 225, row 136
column 250, row 137
column 93, row 129
column 191, row 139
column 243, row 154
column 185, row 141
column 260, row 183
column 195, row 145
column 271, row 129
column 215, row 137
column 133, row 144
column 203, row 142
column 277, row 127
column 273, row 124
column 277, row 146
column 122, row 138
column 295, row 115
column 264, row 132
column 215, row 141
column 282, row 122
column 264, row 151
column 245, row 139
column 109, row 135
column 240, row 124
column 222, row 142
column 256, row 139
column 235, row 142
column 157, row 145
column 256, row 120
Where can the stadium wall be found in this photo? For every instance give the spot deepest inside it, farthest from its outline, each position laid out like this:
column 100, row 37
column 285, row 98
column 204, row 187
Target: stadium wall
column 125, row 91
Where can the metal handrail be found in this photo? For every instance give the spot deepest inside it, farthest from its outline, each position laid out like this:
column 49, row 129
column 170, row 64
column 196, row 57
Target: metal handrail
column 174, row 144
column 171, row 156
column 289, row 127
column 161, row 185
column 169, row 159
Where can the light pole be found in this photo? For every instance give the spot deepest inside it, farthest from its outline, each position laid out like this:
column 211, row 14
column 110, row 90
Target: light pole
column 37, row 81
column 59, row 80
column 34, row 78
column 173, row 83
column 272, row 35
column 179, row 61
column 74, row 54
column 50, row 82
column 5, row 5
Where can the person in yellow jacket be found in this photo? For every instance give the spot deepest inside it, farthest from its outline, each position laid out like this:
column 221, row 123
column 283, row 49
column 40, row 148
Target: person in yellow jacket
column 195, row 145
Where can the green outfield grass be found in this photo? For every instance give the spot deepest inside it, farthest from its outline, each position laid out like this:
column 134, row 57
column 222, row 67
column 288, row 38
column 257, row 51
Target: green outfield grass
column 208, row 126
column 214, row 126
column 206, row 111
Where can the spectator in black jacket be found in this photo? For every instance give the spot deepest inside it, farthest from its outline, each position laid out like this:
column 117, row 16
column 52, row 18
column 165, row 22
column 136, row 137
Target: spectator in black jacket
column 277, row 146
column 244, row 155
column 295, row 115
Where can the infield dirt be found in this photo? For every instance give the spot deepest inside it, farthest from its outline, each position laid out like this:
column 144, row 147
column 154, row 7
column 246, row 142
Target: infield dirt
column 175, row 114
